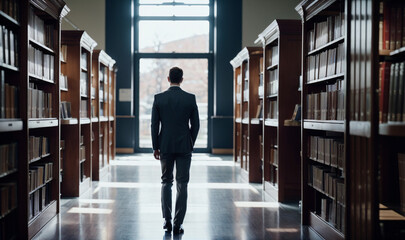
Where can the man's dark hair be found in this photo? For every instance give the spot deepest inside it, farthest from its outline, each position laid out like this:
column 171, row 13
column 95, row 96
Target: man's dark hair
column 175, row 75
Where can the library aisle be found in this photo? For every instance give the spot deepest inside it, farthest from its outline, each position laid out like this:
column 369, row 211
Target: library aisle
column 220, row 206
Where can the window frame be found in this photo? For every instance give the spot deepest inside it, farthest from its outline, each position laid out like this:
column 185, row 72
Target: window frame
column 207, row 55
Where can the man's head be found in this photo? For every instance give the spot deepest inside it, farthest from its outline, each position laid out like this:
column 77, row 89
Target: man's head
column 175, row 75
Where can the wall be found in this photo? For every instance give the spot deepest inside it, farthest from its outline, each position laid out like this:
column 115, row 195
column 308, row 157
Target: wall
column 258, row 14
column 88, row 15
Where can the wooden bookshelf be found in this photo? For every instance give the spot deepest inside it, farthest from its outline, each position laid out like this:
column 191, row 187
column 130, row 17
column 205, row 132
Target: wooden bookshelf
column 281, row 42
column 325, row 181
column 247, row 107
column 102, row 82
column 29, row 104
column 386, row 58
column 76, row 65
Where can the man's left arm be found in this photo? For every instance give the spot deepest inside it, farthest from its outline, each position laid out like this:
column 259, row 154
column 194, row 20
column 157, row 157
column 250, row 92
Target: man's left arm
column 194, row 122
column 155, row 122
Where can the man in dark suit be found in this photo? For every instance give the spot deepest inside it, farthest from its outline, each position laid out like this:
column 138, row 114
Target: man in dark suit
column 176, row 112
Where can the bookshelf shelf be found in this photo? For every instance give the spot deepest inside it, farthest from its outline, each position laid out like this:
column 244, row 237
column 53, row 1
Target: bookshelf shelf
column 64, row 89
column 11, row 125
column 384, row 53
column 272, row 67
column 255, row 121
column 8, row 173
column 70, row 121
column 398, row 52
column 326, row 46
column 94, row 119
column 103, row 119
column 41, row 46
column 85, row 120
column 272, row 96
column 245, row 121
column 322, row 80
column 43, row 123
column 238, row 120
column 392, row 129
column 271, row 122
column 83, row 69
column 7, row 213
column 39, row 158
column 36, row 224
column 324, row 228
column 9, row 20
column 333, row 126
column 41, row 79
column 40, row 186
column 111, row 118
column 9, row 67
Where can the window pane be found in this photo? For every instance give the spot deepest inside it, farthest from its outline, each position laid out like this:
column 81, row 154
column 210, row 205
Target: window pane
column 173, row 36
column 153, row 79
column 170, row 10
column 170, row 1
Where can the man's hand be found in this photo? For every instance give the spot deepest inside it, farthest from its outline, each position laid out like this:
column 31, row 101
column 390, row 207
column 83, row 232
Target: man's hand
column 156, row 154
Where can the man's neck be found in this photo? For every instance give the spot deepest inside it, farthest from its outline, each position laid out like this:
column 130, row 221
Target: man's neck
column 174, row 85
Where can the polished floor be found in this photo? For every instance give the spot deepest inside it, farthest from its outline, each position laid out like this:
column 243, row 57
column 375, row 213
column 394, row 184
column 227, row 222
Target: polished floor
column 221, row 206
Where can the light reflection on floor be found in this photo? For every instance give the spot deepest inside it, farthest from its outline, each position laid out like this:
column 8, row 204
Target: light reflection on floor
column 221, row 206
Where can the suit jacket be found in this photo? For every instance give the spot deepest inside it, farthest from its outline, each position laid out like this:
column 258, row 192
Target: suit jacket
column 177, row 112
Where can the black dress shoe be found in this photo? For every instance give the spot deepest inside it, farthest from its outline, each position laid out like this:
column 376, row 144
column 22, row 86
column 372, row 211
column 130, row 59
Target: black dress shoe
column 167, row 225
column 178, row 230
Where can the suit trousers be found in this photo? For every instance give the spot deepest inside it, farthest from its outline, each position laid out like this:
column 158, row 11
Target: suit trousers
column 182, row 162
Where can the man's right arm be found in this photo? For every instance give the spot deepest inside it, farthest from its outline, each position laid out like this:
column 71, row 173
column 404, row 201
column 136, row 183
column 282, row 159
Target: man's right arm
column 194, row 122
column 155, row 125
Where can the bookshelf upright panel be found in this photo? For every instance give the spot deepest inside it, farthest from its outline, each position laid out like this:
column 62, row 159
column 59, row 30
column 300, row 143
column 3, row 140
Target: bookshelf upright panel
column 280, row 71
column 76, row 112
column 247, row 64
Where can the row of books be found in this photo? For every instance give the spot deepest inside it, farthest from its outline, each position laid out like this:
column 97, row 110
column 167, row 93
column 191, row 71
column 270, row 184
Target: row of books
column 261, row 86
column 8, row 98
column 103, row 75
column 37, row 147
column 39, row 103
column 39, row 200
column 326, row 63
column 392, row 89
column 334, row 213
column 8, row 197
column 272, row 110
column 8, row 47
column 327, row 105
column 39, row 31
column 328, row 151
column 84, row 83
column 83, row 109
column 39, row 174
column 83, row 60
column 11, row 8
column 272, row 87
column 326, row 31
column 271, row 56
column 273, row 156
column 63, row 53
column 41, row 64
column 9, row 157
column 401, row 174
column 82, row 153
column 63, row 81
column 327, row 181
column 392, row 25
column 65, row 110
